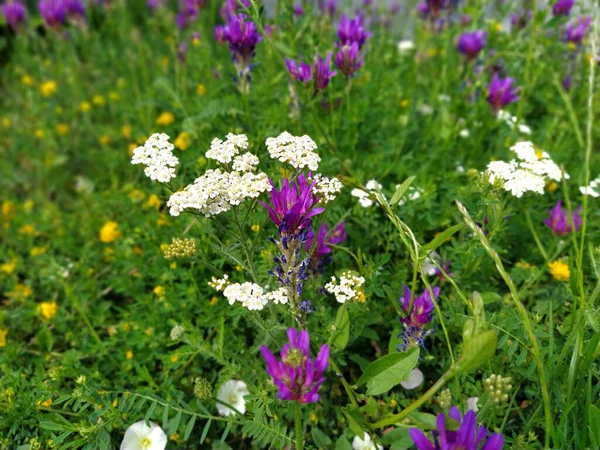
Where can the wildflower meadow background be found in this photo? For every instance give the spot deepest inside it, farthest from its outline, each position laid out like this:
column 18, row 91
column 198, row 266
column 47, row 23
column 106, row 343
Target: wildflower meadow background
column 311, row 224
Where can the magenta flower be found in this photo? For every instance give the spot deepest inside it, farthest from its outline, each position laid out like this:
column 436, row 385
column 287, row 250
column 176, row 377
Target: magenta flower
column 14, row 13
column 576, row 30
column 467, row 437
column 470, row 44
column 422, row 307
column 291, row 208
column 53, row 12
column 352, row 30
column 324, row 239
column 301, row 71
column 348, row 59
column 502, row 92
column 562, row 7
column 187, row 15
column 322, row 72
column 328, row 7
column 242, row 36
column 296, row 376
column 559, row 222
column 74, row 8
column 298, row 10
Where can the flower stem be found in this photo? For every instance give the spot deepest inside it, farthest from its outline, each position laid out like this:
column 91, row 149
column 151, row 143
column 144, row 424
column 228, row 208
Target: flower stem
column 535, row 236
column 298, row 419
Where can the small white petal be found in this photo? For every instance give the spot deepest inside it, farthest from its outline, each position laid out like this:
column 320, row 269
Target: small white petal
column 414, row 380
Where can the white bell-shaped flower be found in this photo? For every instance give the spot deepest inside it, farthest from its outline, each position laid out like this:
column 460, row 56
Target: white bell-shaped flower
column 140, row 436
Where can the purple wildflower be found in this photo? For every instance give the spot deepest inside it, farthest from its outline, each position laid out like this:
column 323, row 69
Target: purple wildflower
column 567, row 82
column 182, row 52
column 297, row 377
column 324, row 239
column 291, row 208
column 502, row 92
column 520, row 20
column 186, row 15
column 298, row 10
column 242, row 37
column 465, row 20
column 348, row 59
column 418, row 315
column 470, row 44
column 562, row 7
column 559, row 221
column 53, row 12
column 301, row 71
column 233, row 6
column 14, row 13
column 467, row 437
column 352, row 30
column 423, row 10
column 153, row 5
column 322, row 72
column 328, row 7
column 220, row 34
column 576, row 30
column 74, row 8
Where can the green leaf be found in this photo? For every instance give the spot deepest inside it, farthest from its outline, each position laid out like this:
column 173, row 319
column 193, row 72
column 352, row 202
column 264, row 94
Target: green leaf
column 592, row 319
column 321, row 439
column 175, row 423
column 189, row 427
column 342, row 444
column 441, row 238
column 594, row 413
column 342, row 329
column 352, row 422
column 205, row 431
column 149, row 413
column 476, row 351
column 165, row 417
column 385, row 373
column 401, row 191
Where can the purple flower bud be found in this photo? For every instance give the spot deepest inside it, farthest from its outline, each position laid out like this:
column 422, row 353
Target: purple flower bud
column 186, row 15
column 301, row 71
column 348, row 59
column 74, row 8
column 182, row 52
column 324, row 239
column 562, row 7
column 53, row 12
column 322, row 72
column 576, row 30
column 465, row 20
column 328, row 7
column 298, row 10
column 502, row 92
column 14, row 13
column 352, row 30
column 470, row 44
column 567, row 82
column 559, row 221
column 242, row 37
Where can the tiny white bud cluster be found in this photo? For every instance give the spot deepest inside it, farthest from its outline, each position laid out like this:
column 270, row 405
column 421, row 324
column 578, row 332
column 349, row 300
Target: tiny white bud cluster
column 252, row 296
column 327, row 189
column 278, row 297
column 245, row 163
column 218, row 284
column 592, row 189
column 348, row 288
column 498, row 387
column 512, row 122
column 363, row 196
column 157, row 155
column 529, row 174
column 224, row 151
column 413, row 193
column 295, row 151
column 176, row 332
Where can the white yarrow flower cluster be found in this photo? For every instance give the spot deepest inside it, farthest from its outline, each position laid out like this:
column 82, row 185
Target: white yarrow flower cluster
column 512, row 122
column 245, row 163
column 529, row 174
column 252, row 296
column 593, row 189
column 348, row 288
column 295, row 151
column 327, row 189
column 363, row 196
column 278, row 297
column 218, row 284
column 224, row 151
column 157, row 155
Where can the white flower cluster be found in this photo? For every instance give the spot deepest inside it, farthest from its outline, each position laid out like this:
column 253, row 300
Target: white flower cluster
column 224, row 151
column 529, row 174
column 363, row 196
column 593, row 189
column 252, row 296
column 348, row 288
column 327, row 189
column 245, row 163
column 512, row 122
column 413, row 193
column 157, row 155
column 218, row 284
column 295, row 151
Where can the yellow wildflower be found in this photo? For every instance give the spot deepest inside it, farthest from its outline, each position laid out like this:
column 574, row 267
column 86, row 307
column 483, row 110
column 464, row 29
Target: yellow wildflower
column 213, row 301
column 126, row 131
column 159, row 291
column 39, row 134
column 404, row 103
column 361, row 297
column 153, row 202
column 166, row 118
column 48, row 88
column 174, row 437
column 27, row 230
column 109, row 231
column 137, row 251
column 6, row 122
column 26, row 80
column 129, row 354
column 48, row 309
column 255, row 227
column 174, row 358
column 85, row 106
column 148, row 331
column 182, row 142
column 114, row 96
column 131, row 148
column 3, row 334
column 20, row 291
column 8, row 210
column 9, row 267
column 98, row 100
column 37, row 251
column 559, row 270
column 523, row 265
column 393, row 403
column 28, row 205
column 62, row 129
column 164, row 61
column 553, row 186
column 46, row 403
column 162, row 221
column 313, row 417
column 201, row 89
column 115, row 403
column 104, row 140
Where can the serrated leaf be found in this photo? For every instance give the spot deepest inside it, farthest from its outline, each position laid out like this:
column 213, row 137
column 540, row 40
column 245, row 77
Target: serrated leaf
column 388, row 371
column 401, row 191
column 342, row 329
column 441, row 238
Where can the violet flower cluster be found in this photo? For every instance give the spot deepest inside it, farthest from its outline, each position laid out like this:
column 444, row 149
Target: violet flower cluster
column 419, row 314
column 577, row 30
column 502, row 92
column 558, row 220
column 189, row 10
column 467, row 437
column 296, row 376
column 56, row 13
column 319, row 73
column 14, row 13
column 351, row 38
column 322, row 252
column 471, row 43
column 562, row 7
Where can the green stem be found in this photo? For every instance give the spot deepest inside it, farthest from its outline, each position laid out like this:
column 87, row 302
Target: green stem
column 535, row 236
column 347, row 387
column 298, row 420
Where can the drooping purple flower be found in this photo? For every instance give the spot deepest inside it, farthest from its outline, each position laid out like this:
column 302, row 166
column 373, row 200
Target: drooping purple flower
column 419, row 313
column 559, row 221
column 53, row 12
column 220, row 34
column 14, row 13
column 576, row 30
column 324, row 239
column 467, row 437
column 423, row 10
column 301, row 71
column 502, row 92
column 352, row 30
column 242, row 36
column 562, row 7
column 293, row 206
column 296, row 376
column 188, row 14
column 322, row 72
column 348, row 59
column 470, row 44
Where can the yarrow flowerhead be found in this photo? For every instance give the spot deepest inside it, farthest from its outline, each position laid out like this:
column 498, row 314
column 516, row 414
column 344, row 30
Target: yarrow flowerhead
column 14, row 13
column 502, row 92
column 327, row 189
column 467, row 437
column 251, row 295
column 298, row 152
column 348, row 288
column 562, row 7
column 296, row 376
column 470, row 44
column 157, row 155
column 559, row 221
column 224, row 151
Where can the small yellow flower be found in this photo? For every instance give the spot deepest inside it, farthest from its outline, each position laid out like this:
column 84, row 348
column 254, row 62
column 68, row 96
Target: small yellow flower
column 404, row 103
column 162, row 221
column 48, row 88
column 85, row 106
column 153, row 202
column 166, row 118
column 3, row 334
column 26, row 80
column 182, row 142
column 115, row 403
column 48, row 309
column 104, row 140
column 21, row 291
column 37, row 251
column 159, row 291
column 131, row 147
column 164, row 61
column 148, row 331
column 572, row 46
column 255, row 227
column 27, row 230
column 126, row 131
column 109, row 232
column 174, row 358
column 39, row 134
column 173, row 265
column 114, row 96
column 432, row 52
column 361, row 297
column 9, row 267
column 28, row 205
column 559, row 270
column 523, row 265
column 129, row 354
column 201, row 89
column 313, row 417
column 98, row 100
column 141, row 140
column 62, row 129
column 6, row 122
column 137, row 251
column 8, row 210
column 174, row 437
column 393, row 403
column 213, row 301
column 47, row 403
column 553, row 186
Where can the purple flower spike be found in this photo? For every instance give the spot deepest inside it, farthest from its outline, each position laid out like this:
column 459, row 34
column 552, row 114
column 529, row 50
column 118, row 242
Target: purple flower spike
column 422, row 307
column 291, row 208
column 502, row 92
column 352, row 30
column 576, row 31
column 468, row 436
column 14, row 13
column 470, row 44
column 75, row 9
column 186, row 15
column 301, row 71
column 242, row 37
column 559, row 222
column 348, row 59
column 562, row 7
column 328, row 7
column 297, row 377
column 322, row 72
column 298, row 10
column 53, row 12
column 324, row 239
